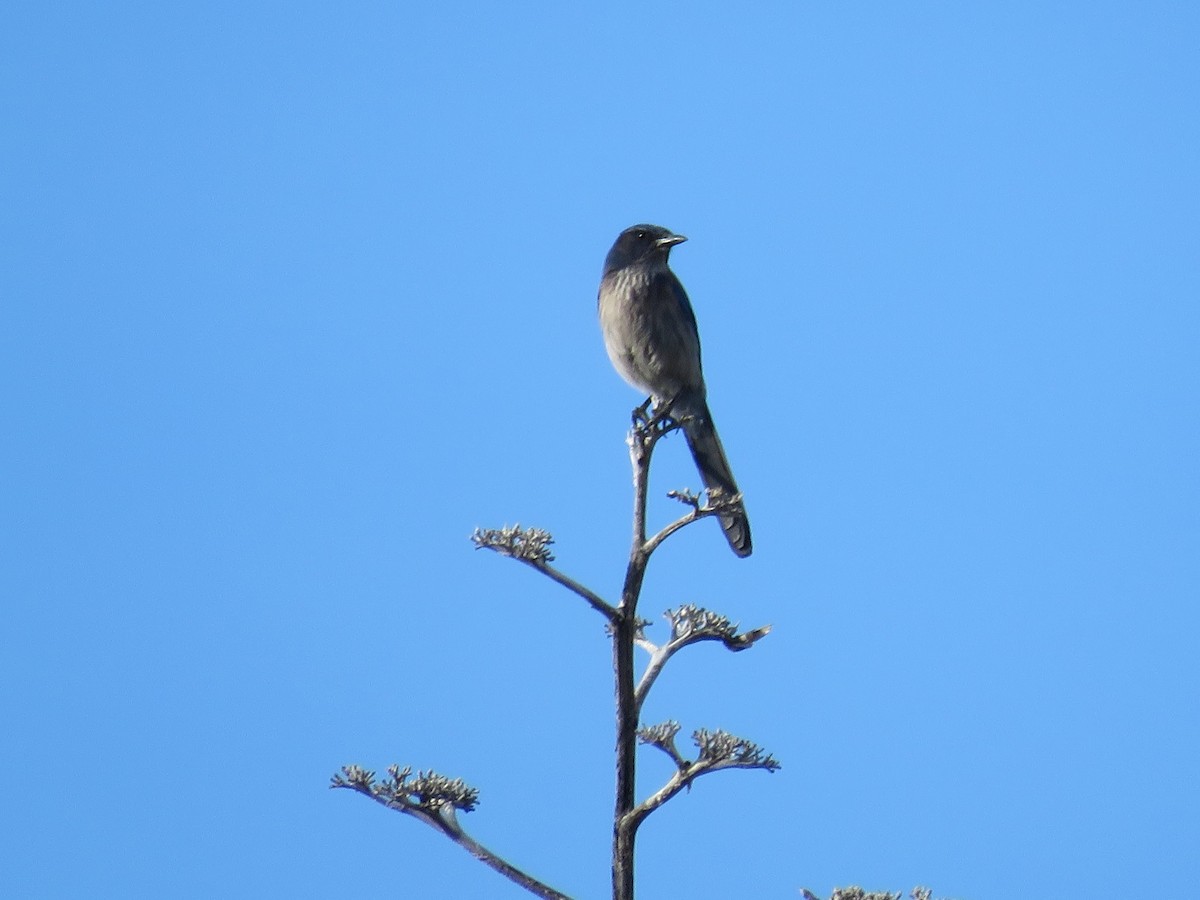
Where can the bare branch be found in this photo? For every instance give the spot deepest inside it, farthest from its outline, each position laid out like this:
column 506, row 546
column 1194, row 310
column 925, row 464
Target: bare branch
column 691, row 624
column 655, row 542
column 594, row 600
column 718, row 504
column 686, row 497
column 718, row 750
column 532, row 547
column 435, row 800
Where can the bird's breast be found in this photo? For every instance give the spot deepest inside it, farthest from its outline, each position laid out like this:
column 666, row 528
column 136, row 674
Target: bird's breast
column 651, row 342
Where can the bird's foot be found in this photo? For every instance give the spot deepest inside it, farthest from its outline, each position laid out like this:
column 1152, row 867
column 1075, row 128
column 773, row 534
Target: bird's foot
column 664, row 419
column 641, row 416
column 656, row 422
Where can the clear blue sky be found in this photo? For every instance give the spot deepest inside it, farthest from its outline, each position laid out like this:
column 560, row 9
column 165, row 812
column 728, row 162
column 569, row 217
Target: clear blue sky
column 294, row 296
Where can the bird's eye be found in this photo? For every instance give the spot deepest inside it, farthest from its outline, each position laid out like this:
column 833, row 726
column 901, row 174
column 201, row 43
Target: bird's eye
column 640, row 235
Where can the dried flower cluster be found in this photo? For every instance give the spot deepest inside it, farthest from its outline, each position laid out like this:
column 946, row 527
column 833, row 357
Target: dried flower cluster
column 428, row 791
column 690, row 619
column 857, row 893
column 718, row 749
column 724, row 749
column 661, row 735
column 529, row 544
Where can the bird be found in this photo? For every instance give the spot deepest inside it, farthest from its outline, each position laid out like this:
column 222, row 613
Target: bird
column 651, row 337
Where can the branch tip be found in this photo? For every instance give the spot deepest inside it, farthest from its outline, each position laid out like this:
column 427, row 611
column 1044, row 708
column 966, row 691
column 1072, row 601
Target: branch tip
column 857, row 893
column 720, row 749
column 695, row 623
column 662, row 736
column 429, row 791
column 686, row 497
column 529, row 544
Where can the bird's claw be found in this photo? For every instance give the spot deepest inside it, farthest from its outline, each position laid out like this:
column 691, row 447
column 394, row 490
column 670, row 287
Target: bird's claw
column 641, row 416
column 654, row 423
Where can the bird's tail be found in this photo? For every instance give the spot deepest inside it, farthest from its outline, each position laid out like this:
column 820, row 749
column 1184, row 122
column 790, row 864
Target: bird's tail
column 714, row 470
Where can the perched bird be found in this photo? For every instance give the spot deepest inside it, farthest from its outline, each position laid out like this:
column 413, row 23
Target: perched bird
column 651, row 337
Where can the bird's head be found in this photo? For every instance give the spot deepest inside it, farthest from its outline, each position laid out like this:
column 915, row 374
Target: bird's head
column 641, row 243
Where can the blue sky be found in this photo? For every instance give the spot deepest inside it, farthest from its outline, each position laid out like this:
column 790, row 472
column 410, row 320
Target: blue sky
column 294, row 296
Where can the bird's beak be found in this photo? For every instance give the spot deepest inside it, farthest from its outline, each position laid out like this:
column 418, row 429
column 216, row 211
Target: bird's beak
column 670, row 240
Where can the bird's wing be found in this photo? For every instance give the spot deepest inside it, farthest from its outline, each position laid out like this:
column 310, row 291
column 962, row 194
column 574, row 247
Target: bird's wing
column 678, row 335
column 672, row 287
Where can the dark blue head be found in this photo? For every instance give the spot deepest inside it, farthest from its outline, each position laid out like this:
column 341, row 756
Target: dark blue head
column 641, row 244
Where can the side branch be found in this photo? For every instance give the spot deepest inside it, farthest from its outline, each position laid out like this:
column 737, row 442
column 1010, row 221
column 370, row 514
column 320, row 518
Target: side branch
column 532, row 547
column 718, row 750
column 593, row 599
column 689, row 625
column 645, row 434
column 715, row 507
column 435, row 800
